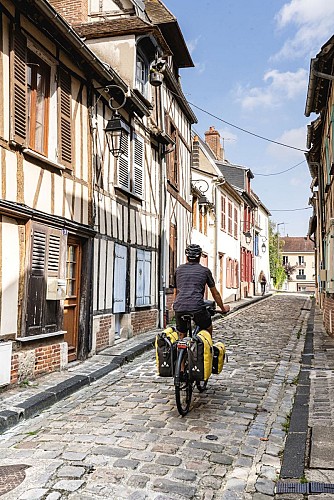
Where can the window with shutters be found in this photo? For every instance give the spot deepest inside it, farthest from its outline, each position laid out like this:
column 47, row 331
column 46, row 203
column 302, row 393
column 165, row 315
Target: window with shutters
column 38, row 87
column 235, row 224
column 130, row 174
column 40, row 102
column 223, row 213
column 142, row 69
column 143, row 278
column 229, row 218
column 46, row 262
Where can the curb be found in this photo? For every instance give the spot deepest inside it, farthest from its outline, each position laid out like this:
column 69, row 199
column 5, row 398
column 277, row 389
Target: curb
column 45, row 399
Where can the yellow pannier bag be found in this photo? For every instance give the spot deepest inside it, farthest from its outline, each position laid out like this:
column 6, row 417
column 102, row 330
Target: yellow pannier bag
column 200, row 356
column 165, row 351
column 219, row 353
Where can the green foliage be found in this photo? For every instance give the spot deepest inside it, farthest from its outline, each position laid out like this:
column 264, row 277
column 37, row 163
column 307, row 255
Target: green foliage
column 277, row 271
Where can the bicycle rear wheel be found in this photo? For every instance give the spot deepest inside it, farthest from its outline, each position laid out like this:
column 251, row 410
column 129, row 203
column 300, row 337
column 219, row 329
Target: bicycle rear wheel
column 183, row 386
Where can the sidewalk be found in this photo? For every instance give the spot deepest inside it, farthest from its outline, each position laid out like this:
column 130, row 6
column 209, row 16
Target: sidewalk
column 25, row 401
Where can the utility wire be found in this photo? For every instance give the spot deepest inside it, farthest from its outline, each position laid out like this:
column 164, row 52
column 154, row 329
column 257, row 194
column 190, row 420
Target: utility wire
column 282, row 172
column 235, row 126
column 291, row 210
column 247, row 131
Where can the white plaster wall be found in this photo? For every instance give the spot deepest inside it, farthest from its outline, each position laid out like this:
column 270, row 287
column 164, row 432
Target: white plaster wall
column 44, row 197
column 119, row 52
column 10, row 275
column 11, row 176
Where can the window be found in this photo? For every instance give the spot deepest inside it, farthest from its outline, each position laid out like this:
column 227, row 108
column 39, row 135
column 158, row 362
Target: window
column 173, row 156
column 203, row 220
column 235, row 224
column 143, row 278
column 141, row 74
column 130, row 174
column 47, row 254
column 223, row 213
column 285, row 260
column 229, row 220
column 256, row 244
column 38, row 86
column 194, row 212
column 301, row 272
column 172, row 254
column 41, row 95
column 301, row 260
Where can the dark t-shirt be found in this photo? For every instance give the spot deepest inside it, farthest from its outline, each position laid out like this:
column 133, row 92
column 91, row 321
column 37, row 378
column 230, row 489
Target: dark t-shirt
column 190, row 280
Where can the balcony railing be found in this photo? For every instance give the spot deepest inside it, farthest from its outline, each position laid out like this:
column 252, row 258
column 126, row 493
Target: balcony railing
column 300, row 276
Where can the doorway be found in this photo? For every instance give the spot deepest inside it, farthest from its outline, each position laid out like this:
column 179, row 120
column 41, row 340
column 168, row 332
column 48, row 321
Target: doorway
column 72, row 301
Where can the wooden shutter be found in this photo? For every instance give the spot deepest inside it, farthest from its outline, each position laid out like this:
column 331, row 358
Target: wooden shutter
column 147, row 278
column 223, row 213
column 143, row 278
column 123, row 177
column 19, row 117
column 65, row 118
column 235, row 223
column 138, row 166
column 228, row 273
column 236, row 274
column 42, row 316
column 119, row 288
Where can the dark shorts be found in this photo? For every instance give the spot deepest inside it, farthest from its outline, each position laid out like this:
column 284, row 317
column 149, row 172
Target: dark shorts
column 202, row 318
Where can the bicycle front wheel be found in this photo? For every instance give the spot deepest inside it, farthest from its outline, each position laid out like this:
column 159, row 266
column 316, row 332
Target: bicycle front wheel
column 183, row 386
column 201, row 386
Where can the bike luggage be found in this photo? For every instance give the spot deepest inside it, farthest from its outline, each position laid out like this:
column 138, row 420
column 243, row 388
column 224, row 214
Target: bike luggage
column 200, row 356
column 219, row 353
column 165, row 351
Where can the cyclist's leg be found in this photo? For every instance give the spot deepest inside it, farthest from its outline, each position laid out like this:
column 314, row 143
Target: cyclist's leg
column 181, row 324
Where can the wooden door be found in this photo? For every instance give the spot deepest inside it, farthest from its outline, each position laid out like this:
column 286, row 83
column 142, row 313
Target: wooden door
column 120, row 270
column 72, row 301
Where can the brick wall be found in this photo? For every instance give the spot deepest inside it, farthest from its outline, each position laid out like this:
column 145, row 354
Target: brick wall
column 143, row 321
column 74, row 11
column 46, row 359
column 212, row 138
column 102, row 335
column 328, row 306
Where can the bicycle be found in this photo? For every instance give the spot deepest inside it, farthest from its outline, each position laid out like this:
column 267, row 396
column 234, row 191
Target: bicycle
column 183, row 382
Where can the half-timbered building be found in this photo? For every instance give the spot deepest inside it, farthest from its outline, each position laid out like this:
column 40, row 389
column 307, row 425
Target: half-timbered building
column 135, row 258
column 88, row 240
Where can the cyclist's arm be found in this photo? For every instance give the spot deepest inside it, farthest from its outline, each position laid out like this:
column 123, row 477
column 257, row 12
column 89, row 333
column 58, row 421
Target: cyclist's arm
column 217, row 297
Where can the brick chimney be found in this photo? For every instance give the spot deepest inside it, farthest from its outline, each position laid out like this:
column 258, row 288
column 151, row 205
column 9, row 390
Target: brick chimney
column 212, row 139
column 74, row 11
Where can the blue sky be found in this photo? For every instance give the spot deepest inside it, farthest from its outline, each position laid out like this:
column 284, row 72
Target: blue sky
column 252, row 63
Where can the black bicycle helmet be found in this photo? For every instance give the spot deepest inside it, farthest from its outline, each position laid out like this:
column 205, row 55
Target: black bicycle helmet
column 193, row 251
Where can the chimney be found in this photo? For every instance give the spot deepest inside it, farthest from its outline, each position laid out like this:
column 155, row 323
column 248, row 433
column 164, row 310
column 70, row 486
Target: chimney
column 212, row 139
column 73, row 11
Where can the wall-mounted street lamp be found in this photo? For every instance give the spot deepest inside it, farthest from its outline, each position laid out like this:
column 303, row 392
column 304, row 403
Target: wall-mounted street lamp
column 117, row 129
column 263, row 246
column 248, row 237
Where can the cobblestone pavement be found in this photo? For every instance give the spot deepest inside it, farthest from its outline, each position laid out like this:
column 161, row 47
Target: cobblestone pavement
column 122, row 437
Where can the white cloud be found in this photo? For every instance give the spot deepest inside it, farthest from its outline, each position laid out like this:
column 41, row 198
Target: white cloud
column 192, row 44
column 314, row 21
column 287, row 156
column 278, row 87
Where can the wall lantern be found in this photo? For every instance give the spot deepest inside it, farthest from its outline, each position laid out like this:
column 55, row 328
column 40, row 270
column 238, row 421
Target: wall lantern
column 248, row 237
column 263, row 247
column 116, row 131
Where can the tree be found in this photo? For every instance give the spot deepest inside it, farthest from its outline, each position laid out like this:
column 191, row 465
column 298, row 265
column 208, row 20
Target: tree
column 289, row 270
column 277, row 271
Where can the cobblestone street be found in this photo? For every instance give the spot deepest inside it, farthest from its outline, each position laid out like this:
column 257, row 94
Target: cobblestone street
column 122, row 437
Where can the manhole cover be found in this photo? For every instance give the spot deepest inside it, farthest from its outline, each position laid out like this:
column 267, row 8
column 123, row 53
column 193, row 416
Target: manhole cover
column 11, row 476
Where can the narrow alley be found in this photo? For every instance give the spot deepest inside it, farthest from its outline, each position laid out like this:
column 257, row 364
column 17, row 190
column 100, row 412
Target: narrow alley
column 122, row 438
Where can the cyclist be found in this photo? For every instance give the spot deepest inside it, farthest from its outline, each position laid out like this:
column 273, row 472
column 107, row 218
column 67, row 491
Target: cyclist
column 190, row 281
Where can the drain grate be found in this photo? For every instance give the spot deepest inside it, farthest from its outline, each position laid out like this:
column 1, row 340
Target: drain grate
column 304, row 488
column 291, row 488
column 321, row 488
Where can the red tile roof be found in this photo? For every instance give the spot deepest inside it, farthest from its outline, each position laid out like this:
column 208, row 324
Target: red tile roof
column 296, row 244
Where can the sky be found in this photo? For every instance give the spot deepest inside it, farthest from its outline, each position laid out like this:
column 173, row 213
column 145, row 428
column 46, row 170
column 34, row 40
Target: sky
column 252, row 60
